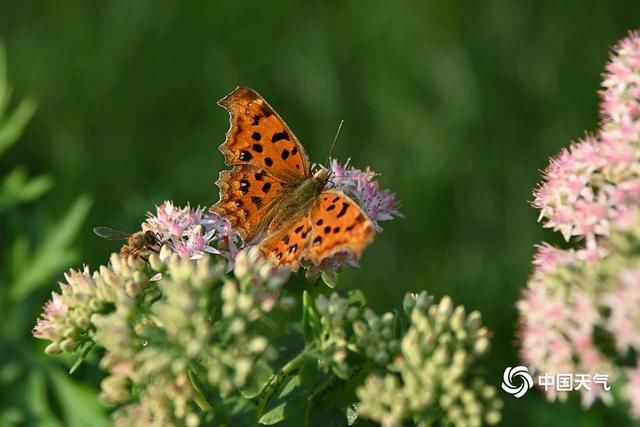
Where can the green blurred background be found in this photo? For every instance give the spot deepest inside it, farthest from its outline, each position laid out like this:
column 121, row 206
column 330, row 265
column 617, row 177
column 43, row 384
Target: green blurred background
column 458, row 104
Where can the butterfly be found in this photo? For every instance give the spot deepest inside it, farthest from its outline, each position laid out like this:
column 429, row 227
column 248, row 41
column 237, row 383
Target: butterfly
column 271, row 197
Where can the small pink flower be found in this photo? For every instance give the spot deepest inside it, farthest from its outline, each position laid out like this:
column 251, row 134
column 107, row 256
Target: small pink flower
column 379, row 205
column 192, row 232
column 54, row 309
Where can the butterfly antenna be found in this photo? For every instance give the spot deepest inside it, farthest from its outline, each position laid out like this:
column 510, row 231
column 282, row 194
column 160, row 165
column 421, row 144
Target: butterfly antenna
column 335, row 138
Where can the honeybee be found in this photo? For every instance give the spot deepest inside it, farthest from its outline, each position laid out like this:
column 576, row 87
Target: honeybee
column 140, row 243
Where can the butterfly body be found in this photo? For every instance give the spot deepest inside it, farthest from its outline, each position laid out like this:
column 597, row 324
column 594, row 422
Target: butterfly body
column 272, row 199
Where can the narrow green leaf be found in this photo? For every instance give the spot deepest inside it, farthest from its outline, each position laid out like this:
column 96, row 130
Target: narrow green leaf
column 54, row 253
column 79, row 402
column 12, row 128
column 37, row 401
column 310, row 318
column 85, row 352
column 15, row 188
column 5, row 89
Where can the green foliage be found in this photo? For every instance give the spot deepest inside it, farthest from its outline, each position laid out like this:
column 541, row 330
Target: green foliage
column 41, row 391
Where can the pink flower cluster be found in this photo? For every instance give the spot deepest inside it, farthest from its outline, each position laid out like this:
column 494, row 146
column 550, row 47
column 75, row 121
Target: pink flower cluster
column 589, row 191
column 192, row 232
column 379, row 205
column 595, row 184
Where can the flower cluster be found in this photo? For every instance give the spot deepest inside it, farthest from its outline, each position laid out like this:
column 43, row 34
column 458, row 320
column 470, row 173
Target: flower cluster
column 379, row 205
column 419, row 370
column 578, row 314
column 67, row 316
column 192, row 232
column 432, row 370
column 167, row 339
column 595, row 184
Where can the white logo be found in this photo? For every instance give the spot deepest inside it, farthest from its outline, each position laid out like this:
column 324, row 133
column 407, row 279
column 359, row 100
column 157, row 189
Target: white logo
column 526, row 382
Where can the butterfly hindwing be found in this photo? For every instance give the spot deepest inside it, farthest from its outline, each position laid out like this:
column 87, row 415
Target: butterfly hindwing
column 258, row 136
column 290, row 245
column 248, row 196
column 339, row 224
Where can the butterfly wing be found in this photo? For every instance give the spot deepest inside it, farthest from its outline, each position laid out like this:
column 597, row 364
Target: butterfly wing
column 248, row 196
column 290, row 245
column 334, row 224
column 258, row 136
column 338, row 224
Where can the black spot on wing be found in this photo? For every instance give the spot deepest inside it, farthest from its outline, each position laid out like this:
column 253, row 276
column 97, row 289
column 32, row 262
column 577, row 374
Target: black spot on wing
column 345, row 206
column 285, row 154
column 266, row 187
column 256, row 136
column 256, row 120
column 278, row 136
column 245, row 156
column 268, row 161
column 257, row 148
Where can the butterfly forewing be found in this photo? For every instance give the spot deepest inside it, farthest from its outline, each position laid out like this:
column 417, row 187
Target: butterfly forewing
column 248, row 196
column 258, row 136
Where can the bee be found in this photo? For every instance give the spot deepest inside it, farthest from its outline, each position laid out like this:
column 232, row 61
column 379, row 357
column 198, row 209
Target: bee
column 140, row 244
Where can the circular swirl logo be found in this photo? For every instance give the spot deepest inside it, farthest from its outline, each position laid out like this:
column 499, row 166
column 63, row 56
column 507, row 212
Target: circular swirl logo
column 521, row 375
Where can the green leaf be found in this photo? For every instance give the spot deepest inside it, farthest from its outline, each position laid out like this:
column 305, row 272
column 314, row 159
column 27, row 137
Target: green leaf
column 310, row 318
column 79, row 402
column 85, row 352
column 260, row 378
column 15, row 188
column 37, row 402
column 54, row 254
column 289, row 401
column 12, row 128
column 330, row 281
column 5, row 89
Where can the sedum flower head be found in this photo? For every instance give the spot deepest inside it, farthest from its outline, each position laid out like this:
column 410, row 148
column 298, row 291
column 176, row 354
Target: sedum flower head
column 578, row 314
column 361, row 185
column 192, row 232
column 166, row 339
column 66, row 320
column 431, row 370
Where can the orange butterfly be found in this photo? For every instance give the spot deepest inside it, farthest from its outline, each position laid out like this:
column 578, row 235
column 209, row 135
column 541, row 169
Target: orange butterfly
column 272, row 199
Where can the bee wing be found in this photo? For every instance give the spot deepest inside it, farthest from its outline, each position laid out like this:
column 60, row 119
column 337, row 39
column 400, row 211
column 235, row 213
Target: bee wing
column 110, row 233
